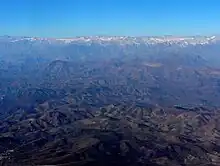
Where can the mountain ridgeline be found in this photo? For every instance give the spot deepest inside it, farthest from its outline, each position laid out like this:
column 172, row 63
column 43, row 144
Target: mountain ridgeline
column 95, row 101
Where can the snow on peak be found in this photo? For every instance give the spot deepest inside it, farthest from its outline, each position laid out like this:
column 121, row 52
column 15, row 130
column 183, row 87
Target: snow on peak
column 124, row 40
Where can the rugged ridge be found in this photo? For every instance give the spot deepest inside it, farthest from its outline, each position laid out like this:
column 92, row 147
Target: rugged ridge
column 123, row 40
column 115, row 134
column 94, row 101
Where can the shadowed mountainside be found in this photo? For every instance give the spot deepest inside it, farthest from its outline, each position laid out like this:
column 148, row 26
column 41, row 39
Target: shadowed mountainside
column 95, row 101
column 112, row 135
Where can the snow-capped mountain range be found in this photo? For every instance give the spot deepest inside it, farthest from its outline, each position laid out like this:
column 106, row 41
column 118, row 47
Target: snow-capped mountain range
column 25, row 49
column 122, row 40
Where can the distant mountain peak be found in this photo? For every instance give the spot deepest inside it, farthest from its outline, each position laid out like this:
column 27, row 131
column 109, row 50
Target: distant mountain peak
column 122, row 40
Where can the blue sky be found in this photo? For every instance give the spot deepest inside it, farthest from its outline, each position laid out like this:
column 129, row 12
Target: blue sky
column 68, row 18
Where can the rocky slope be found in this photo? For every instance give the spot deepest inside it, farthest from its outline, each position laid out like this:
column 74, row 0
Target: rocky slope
column 112, row 135
column 94, row 101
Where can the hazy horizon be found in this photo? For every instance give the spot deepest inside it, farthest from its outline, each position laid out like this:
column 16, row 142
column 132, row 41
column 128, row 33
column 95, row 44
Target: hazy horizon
column 70, row 37
column 66, row 19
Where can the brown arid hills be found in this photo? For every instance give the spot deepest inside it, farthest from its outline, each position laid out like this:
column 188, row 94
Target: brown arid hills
column 119, row 101
column 66, row 135
column 115, row 113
